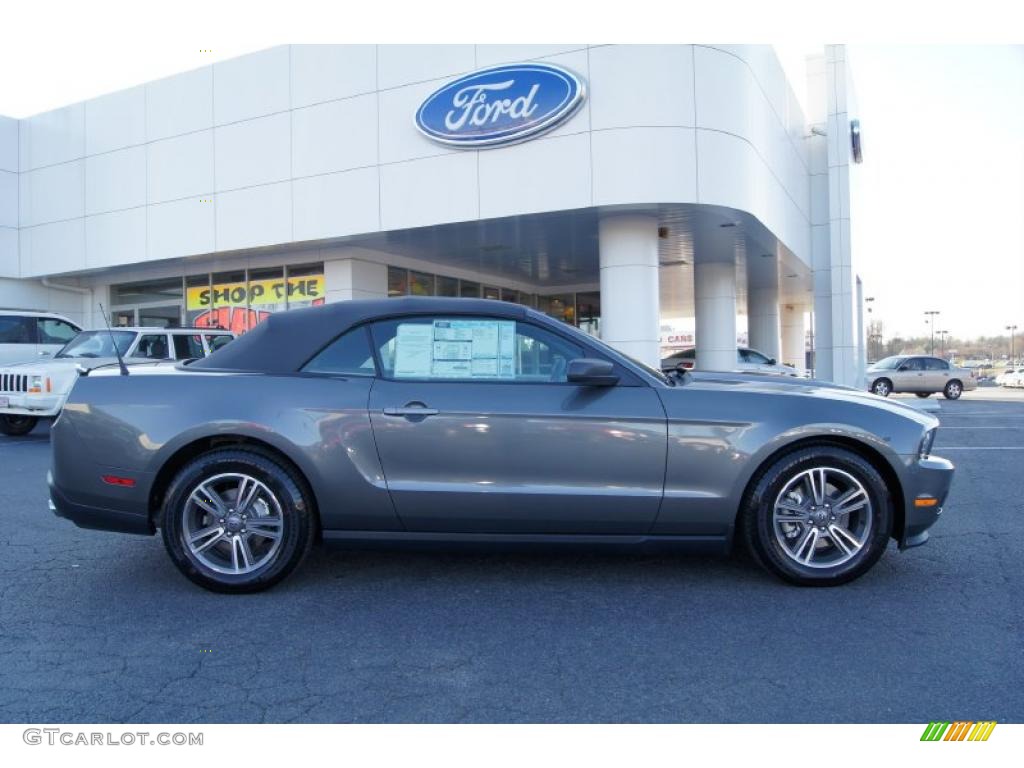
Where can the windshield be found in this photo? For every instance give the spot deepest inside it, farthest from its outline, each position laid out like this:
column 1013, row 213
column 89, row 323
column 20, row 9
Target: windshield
column 889, row 363
column 97, row 344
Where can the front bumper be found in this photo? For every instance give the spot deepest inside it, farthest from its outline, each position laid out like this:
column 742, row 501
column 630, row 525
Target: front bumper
column 96, row 517
column 43, row 406
column 927, row 480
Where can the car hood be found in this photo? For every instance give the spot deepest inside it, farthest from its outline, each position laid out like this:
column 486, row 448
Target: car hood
column 791, row 385
column 53, row 364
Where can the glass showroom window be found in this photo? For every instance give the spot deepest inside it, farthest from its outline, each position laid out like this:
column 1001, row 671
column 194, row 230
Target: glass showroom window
column 198, row 298
column 306, row 285
column 421, row 284
column 156, row 303
column 229, row 301
column 398, row 281
column 447, row 286
column 469, row 289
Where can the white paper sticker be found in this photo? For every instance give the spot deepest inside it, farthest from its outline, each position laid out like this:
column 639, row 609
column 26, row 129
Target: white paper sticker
column 456, row 349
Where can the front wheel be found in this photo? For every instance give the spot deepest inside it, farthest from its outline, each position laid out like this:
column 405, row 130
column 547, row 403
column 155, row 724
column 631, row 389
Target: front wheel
column 820, row 516
column 236, row 520
column 953, row 390
column 17, row 426
column 882, row 387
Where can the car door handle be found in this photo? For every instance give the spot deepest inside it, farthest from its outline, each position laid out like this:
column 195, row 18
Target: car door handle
column 411, row 411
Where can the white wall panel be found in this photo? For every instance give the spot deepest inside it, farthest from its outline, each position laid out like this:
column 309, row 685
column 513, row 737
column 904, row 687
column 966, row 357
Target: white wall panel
column 253, row 152
column 53, row 248
column 179, row 104
column 256, row 216
column 644, row 165
column 9, row 261
column 399, row 139
column 326, row 72
column 115, row 238
column 336, row 204
column 335, row 136
column 180, row 228
column 8, row 199
column 492, row 55
column 403, row 64
column 180, row 167
column 547, row 174
column 429, row 191
column 115, row 121
column 115, row 180
column 251, row 86
column 641, row 85
column 52, row 194
column 8, row 144
column 53, row 137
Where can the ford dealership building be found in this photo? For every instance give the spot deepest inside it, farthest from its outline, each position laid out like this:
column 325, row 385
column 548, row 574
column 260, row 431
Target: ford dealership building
column 625, row 189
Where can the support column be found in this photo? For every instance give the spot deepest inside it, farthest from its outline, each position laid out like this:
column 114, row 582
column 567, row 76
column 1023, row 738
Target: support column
column 352, row 278
column 794, row 334
column 630, row 305
column 762, row 313
column 714, row 291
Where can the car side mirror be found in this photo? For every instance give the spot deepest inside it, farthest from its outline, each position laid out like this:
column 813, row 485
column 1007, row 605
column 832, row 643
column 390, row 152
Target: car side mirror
column 772, row 361
column 591, row 372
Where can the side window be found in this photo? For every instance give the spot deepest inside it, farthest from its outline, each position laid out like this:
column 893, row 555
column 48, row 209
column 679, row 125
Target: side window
column 750, row 356
column 913, row 364
column 347, row 355
column 217, row 340
column 934, row 364
column 55, row 331
column 187, row 345
column 473, row 349
column 152, row 346
column 17, row 330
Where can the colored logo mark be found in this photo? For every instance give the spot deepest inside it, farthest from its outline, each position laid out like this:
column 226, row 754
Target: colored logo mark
column 961, row 730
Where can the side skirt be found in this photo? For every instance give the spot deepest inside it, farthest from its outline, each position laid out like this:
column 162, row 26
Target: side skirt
column 718, row 545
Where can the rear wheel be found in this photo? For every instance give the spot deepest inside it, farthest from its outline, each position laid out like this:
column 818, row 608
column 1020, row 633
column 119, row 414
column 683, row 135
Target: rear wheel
column 882, row 387
column 953, row 390
column 17, row 426
column 235, row 520
column 820, row 516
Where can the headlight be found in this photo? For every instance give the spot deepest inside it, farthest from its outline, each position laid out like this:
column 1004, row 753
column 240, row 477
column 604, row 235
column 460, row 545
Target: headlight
column 35, row 385
column 925, row 449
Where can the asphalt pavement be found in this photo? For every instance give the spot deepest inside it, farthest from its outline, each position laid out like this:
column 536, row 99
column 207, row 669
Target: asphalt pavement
column 100, row 627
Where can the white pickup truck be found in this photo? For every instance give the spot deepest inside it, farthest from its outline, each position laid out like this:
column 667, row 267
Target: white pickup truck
column 38, row 389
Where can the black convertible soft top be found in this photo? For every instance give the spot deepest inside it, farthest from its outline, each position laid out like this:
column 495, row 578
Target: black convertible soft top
column 285, row 341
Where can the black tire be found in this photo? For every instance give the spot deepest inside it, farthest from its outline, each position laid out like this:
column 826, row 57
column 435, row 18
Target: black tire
column 881, row 387
column 758, row 530
column 296, row 513
column 923, row 394
column 953, row 390
column 17, row 426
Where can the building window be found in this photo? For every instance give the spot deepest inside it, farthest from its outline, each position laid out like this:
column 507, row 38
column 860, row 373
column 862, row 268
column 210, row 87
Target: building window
column 447, row 286
column 469, row 290
column 305, row 285
column 421, row 284
column 398, row 282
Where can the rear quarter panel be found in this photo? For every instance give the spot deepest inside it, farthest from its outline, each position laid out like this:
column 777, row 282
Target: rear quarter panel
column 135, row 424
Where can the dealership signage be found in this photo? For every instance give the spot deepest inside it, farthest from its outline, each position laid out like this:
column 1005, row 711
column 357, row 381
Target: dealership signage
column 307, row 288
column 501, row 105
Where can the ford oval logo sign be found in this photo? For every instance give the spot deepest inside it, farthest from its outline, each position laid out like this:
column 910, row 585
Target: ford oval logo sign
column 501, row 105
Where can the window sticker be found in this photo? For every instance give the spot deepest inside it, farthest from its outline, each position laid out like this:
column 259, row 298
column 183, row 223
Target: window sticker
column 456, row 349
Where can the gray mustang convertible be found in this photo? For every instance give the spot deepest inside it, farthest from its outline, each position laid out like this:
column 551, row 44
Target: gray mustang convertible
column 429, row 421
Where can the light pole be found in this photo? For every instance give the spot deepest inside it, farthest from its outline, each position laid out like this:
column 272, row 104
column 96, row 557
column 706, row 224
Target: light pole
column 932, row 313
column 1011, row 329
column 942, row 341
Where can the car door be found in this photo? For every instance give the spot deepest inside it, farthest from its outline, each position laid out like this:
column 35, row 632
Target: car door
column 936, row 374
column 909, row 376
column 479, row 431
column 53, row 334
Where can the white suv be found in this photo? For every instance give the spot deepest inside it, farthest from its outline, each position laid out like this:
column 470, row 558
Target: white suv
column 27, row 335
column 38, row 389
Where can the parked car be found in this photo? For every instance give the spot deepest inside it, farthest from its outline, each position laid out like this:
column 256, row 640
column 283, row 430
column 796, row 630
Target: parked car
column 35, row 390
column 1007, row 376
column 921, row 374
column 1015, row 379
column 747, row 360
column 26, row 335
column 430, row 420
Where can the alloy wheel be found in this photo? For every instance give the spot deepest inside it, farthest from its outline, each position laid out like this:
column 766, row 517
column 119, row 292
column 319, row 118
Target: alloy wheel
column 822, row 517
column 232, row 523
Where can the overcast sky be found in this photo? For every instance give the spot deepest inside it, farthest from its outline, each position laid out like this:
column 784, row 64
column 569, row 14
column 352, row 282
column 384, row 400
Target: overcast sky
column 938, row 221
